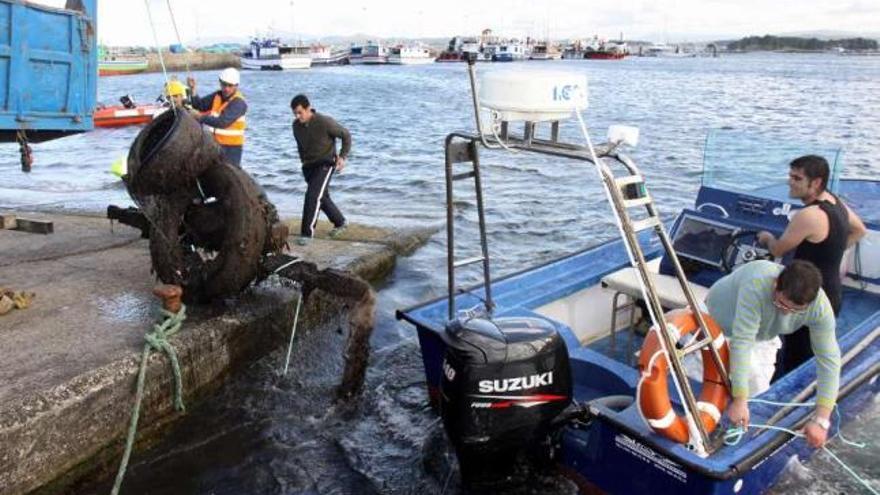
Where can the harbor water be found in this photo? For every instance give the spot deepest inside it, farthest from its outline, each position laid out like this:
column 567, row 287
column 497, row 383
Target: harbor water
column 262, row 434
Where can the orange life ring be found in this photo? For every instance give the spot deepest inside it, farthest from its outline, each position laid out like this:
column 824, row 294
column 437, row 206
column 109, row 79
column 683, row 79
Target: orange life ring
column 652, row 393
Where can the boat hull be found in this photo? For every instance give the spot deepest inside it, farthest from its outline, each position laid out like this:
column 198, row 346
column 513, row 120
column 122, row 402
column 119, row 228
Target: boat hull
column 545, row 56
column 119, row 116
column 340, row 58
column 121, row 68
column 448, row 57
column 606, row 454
column 604, row 56
column 374, row 59
column 392, row 60
column 282, row 63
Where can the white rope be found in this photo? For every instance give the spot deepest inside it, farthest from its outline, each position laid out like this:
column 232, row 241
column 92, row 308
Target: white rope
column 156, row 40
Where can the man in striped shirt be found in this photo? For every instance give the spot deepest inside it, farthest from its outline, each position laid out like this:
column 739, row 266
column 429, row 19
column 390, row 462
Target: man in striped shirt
column 762, row 300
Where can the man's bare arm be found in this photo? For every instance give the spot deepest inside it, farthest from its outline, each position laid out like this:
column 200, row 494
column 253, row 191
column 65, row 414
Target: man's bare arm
column 802, row 226
column 857, row 228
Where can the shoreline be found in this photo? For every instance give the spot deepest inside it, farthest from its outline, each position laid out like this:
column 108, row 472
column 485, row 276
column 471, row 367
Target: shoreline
column 177, row 62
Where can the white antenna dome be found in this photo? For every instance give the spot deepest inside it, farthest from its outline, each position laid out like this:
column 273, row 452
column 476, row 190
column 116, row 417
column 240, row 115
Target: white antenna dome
column 533, row 96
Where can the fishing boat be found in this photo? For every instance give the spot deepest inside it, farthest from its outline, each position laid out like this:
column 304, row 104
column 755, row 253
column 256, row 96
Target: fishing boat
column 508, row 51
column 271, row 54
column 409, row 55
column 356, row 54
column 460, row 49
column 112, row 63
column 374, row 53
column 326, row 55
column 662, row 50
column 545, row 51
column 605, row 50
column 454, row 51
column 535, row 362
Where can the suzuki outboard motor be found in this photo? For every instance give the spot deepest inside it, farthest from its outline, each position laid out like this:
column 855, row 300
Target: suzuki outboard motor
column 504, row 380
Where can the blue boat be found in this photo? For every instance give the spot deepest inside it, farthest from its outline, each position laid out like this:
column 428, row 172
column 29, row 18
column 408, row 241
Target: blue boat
column 48, row 69
column 601, row 440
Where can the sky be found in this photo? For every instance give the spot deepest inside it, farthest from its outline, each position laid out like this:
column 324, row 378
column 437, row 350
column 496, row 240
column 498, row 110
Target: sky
column 125, row 22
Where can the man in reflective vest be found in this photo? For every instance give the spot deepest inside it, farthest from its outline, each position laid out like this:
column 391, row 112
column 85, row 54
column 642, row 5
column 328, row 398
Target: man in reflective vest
column 222, row 114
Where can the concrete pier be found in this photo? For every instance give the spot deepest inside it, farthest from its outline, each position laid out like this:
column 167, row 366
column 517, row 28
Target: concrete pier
column 68, row 364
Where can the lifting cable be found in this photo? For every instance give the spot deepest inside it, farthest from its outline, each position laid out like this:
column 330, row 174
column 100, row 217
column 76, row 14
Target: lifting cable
column 179, row 42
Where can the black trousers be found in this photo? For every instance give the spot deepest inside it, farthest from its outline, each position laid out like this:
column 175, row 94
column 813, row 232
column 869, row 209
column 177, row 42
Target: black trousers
column 232, row 154
column 796, row 347
column 318, row 197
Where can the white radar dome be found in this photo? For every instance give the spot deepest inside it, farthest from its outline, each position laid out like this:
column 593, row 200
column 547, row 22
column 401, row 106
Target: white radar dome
column 534, row 96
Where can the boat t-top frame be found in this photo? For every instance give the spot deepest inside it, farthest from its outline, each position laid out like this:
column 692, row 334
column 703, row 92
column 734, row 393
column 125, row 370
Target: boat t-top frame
column 627, row 193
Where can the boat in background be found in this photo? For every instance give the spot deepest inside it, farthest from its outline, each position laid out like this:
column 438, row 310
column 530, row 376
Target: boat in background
column 126, row 113
column 665, row 51
column 544, row 50
column 111, row 63
column 508, row 51
column 461, row 47
column 356, row 54
column 374, row 53
column 605, row 50
column 271, row 54
column 410, row 55
column 326, row 55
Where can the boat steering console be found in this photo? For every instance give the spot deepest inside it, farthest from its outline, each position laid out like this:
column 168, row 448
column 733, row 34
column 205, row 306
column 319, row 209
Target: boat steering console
column 716, row 245
column 742, row 248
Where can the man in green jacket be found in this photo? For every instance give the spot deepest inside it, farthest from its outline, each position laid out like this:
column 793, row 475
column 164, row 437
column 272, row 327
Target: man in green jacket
column 762, row 300
column 316, row 135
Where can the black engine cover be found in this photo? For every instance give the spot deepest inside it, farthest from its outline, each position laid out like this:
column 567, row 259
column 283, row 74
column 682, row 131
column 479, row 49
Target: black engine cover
column 504, row 380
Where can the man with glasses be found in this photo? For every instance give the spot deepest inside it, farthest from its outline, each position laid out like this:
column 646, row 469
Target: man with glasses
column 819, row 233
column 222, row 114
column 761, row 301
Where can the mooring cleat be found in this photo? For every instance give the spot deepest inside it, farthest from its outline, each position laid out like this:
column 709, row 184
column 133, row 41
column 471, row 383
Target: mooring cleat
column 170, row 295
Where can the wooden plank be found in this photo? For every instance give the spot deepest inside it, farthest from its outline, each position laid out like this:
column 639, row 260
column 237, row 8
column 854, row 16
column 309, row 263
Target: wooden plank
column 7, row 221
column 34, row 226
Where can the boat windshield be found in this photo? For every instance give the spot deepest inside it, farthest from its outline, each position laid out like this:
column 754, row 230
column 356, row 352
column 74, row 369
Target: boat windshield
column 758, row 165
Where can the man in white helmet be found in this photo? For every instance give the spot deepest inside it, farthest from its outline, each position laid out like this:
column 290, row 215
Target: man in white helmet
column 222, row 114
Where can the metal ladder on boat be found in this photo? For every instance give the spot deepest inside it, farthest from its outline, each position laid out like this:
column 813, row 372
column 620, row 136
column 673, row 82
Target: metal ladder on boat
column 462, row 148
column 627, row 193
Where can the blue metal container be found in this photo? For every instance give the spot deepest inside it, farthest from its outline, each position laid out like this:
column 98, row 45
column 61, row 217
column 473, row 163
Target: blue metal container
column 48, row 69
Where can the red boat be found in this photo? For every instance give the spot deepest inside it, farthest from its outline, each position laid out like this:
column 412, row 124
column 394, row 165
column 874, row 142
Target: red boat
column 605, row 55
column 121, row 115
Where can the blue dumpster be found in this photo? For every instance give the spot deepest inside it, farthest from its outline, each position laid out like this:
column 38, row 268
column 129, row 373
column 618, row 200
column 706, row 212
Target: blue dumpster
column 48, row 68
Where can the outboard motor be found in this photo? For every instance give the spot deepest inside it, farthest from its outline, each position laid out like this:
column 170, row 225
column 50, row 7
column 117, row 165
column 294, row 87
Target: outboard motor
column 504, row 380
column 128, row 102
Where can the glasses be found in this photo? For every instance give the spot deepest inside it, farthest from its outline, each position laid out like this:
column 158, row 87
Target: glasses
column 785, row 308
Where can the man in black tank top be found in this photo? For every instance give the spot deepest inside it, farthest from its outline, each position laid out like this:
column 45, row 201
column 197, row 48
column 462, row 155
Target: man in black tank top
column 819, row 233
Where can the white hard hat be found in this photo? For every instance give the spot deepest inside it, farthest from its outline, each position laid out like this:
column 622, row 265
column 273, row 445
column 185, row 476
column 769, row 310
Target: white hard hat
column 230, row 76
